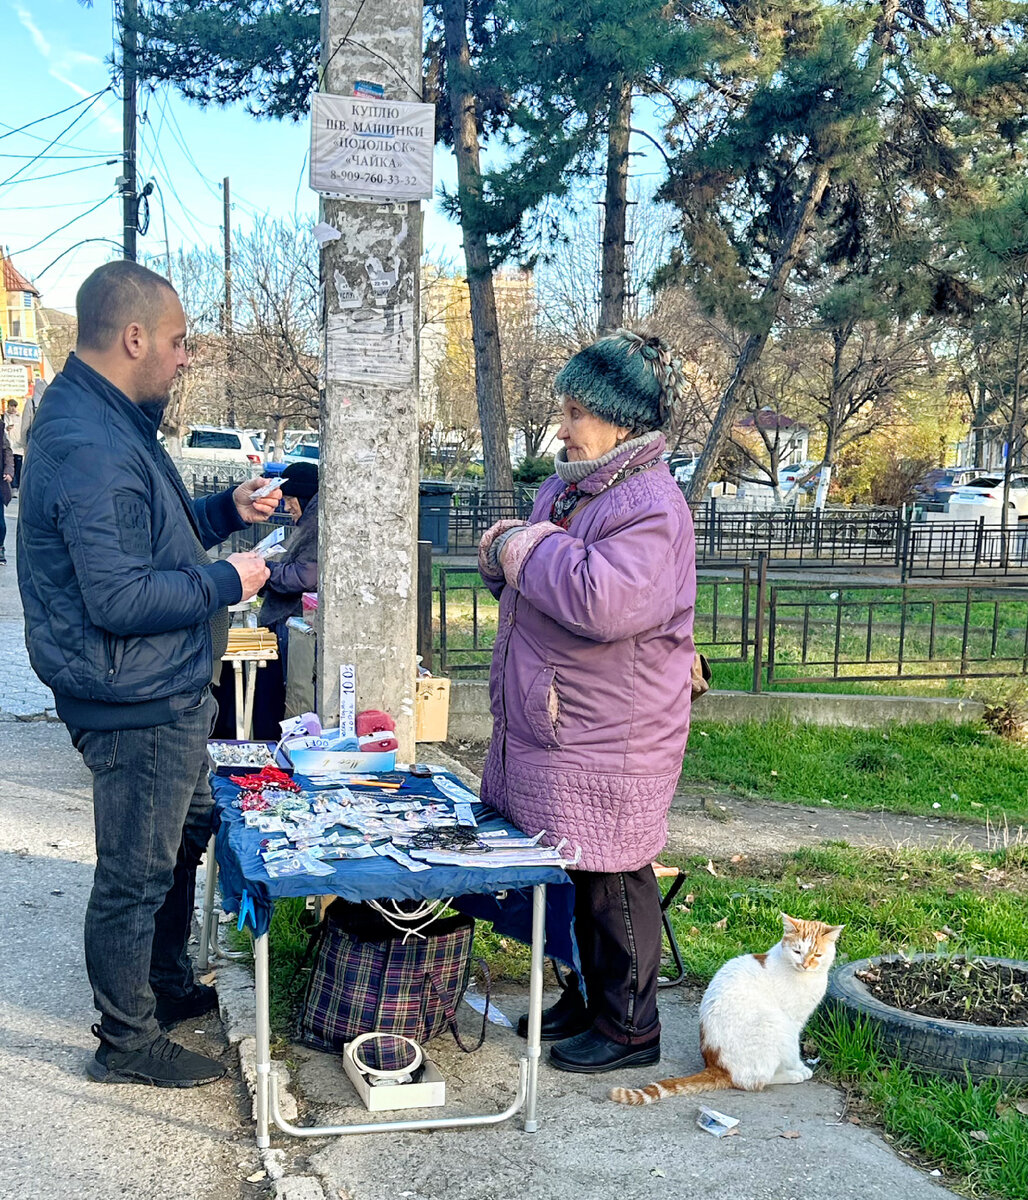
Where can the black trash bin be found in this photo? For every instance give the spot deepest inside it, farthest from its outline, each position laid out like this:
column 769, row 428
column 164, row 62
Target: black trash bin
column 435, row 497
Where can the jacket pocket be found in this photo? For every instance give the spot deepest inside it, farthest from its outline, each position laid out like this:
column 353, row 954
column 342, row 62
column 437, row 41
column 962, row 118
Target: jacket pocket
column 114, row 653
column 542, row 708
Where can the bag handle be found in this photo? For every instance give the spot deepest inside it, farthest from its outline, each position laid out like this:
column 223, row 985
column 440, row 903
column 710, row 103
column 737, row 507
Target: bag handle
column 451, row 1012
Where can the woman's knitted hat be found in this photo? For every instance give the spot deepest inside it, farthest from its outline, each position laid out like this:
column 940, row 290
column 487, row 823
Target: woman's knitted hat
column 629, row 379
column 300, row 479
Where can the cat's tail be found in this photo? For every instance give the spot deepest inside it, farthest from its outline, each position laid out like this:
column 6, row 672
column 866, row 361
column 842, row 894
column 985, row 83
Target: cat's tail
column 710, row 1079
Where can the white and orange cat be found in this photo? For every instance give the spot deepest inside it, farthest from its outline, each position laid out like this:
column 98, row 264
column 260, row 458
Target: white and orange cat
column 752, row 1015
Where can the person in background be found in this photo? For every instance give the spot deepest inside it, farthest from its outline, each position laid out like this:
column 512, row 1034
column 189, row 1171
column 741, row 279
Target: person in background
column 6, row 478
column 29, row 410
column 292, row 573
column 591, row 682
column 12, row 420
column 126, row 620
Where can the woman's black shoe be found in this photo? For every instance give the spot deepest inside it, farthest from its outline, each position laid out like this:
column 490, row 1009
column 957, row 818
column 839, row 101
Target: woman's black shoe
column 591, row 1053
column 563, row 1020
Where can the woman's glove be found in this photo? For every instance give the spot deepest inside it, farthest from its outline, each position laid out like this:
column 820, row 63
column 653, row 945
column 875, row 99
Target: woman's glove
column 489, row 566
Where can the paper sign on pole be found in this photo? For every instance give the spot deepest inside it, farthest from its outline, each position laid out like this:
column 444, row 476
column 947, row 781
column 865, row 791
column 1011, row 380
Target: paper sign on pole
column 371, row 149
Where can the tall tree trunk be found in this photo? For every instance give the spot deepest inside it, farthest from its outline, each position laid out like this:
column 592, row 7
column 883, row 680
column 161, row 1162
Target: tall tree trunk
column 615, row 201
column 1014, row 431
column 749, row 358
column 485, row 332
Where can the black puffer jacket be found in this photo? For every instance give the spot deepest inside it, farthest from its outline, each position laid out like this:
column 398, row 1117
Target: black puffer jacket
column 117, row 591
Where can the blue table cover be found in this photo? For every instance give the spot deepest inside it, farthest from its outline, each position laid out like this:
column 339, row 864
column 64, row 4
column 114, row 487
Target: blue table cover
column 474, row 889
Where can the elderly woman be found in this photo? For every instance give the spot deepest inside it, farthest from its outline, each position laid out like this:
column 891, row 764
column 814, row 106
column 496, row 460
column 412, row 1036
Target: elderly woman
column 590, row 683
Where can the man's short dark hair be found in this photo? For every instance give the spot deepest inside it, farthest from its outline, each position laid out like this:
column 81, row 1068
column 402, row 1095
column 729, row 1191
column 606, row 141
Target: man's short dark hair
column 114, row 296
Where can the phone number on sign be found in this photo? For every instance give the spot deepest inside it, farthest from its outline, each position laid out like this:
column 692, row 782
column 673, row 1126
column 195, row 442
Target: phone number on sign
column 365, row 177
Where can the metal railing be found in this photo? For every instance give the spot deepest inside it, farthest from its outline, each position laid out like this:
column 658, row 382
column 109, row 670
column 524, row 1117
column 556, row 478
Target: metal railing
column 945, row 550
column 864, row 633
column 465, row 618
column 474, row 510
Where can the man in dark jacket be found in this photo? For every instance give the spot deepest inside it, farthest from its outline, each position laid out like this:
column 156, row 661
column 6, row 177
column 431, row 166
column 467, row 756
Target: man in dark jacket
column 125, row 619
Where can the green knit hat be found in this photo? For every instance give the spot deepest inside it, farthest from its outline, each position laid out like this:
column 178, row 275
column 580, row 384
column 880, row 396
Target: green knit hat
column 629, row 379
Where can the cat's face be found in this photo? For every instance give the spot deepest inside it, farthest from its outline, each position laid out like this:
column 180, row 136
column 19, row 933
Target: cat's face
column 809, row 945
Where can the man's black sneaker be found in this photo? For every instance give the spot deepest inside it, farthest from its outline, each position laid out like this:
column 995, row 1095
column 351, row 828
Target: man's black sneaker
column 161, row 1064
column 198, row 1001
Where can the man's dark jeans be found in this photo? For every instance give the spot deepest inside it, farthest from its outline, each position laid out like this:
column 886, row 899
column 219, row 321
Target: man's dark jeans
column 152, row 812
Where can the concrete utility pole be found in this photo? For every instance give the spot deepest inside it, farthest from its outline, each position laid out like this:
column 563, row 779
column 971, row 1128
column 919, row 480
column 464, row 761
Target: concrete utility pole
column 368, row 501
column 226, row 311
column 129, row 51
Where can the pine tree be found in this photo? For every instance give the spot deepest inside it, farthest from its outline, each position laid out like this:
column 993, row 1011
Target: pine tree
column 838, row 123
column 574, row 69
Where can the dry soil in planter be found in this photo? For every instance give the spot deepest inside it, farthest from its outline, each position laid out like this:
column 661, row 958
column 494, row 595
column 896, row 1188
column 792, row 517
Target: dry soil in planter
column 955, row 989
column 936, row 1043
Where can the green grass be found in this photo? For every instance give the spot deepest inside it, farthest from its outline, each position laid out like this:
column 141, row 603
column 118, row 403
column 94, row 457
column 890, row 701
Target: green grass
column 935, row 770
column 889, row 900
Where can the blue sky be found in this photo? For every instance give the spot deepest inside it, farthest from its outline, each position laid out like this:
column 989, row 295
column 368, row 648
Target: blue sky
column 55, row 52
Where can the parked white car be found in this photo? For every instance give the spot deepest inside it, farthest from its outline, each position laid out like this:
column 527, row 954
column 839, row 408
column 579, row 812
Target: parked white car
column 985, row 492
column 213, row 442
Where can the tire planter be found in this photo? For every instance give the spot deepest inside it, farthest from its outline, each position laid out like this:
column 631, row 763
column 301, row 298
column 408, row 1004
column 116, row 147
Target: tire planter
column 953, row 1049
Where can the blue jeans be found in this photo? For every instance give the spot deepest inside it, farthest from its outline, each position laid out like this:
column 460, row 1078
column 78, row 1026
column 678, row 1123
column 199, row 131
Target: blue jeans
column 152, row 811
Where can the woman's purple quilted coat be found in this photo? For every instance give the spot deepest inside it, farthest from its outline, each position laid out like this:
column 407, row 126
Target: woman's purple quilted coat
column 591, row 675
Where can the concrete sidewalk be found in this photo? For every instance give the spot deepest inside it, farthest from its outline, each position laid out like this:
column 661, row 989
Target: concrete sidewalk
column 63, row 1135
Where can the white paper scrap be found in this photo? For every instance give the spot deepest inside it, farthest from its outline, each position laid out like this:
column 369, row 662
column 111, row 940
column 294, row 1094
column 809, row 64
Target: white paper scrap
column 326, row 233
column 478, row 1003
column 712, row 1121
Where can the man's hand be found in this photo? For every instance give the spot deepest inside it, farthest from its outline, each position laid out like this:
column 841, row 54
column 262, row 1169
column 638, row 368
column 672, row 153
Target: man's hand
column 8, row 479
column 252, row 571
column 255, row 510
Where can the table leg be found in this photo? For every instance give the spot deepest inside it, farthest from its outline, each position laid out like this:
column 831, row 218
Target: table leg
column 208, row 944
column 251, row 688
column 535, row 1002
column 237, row 666
column 263, row 1055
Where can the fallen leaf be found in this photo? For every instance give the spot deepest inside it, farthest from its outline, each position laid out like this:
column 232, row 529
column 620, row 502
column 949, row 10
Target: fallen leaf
column 257, row 1176
column 775, row 773
column 722, row 924
column 683, row 908
column 209, row 978
column 690, row 899
column 658, row 1172
column 940, row 936
column 789, row 1133
column 694, row 932
column 710, row 868
column 854, row 1120
column 979, row 1135
column 975, row 804
column 730, row 1133
column 1022, row 1107
column 737, row 858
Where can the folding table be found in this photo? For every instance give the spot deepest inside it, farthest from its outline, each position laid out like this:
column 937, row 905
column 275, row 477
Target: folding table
column 247, row 889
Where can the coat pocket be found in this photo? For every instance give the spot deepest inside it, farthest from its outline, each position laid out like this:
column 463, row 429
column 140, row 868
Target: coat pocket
column 542, row 708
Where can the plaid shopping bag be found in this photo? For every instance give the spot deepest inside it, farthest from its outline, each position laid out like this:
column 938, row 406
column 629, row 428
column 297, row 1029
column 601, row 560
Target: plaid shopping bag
column 369, row 977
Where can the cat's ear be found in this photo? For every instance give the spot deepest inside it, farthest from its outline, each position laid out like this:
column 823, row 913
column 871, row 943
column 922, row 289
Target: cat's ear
column 831, row 933
column 790, row 924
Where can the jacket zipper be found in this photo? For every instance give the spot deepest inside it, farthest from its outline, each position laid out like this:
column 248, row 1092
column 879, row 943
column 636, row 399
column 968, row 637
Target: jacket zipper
column 503, row 688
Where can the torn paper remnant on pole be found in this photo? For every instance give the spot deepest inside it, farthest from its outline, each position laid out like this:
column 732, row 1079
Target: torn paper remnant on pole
column 371, row 345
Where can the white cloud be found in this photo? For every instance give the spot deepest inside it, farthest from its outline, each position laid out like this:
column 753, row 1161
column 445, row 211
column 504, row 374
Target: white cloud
column 42, row 45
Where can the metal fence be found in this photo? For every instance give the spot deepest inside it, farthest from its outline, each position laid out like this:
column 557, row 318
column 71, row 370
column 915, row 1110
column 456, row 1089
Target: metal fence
column 791, row 633
column 947, row 550
column 866, row 633
column 465, row 617
column 474, row 510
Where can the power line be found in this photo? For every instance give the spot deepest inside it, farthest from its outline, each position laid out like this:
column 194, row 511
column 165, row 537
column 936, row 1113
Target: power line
column 61, row 228
column 111, row 162
column 11, row 178
column 49, row 116
column 61, row 157
column 75, row 246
